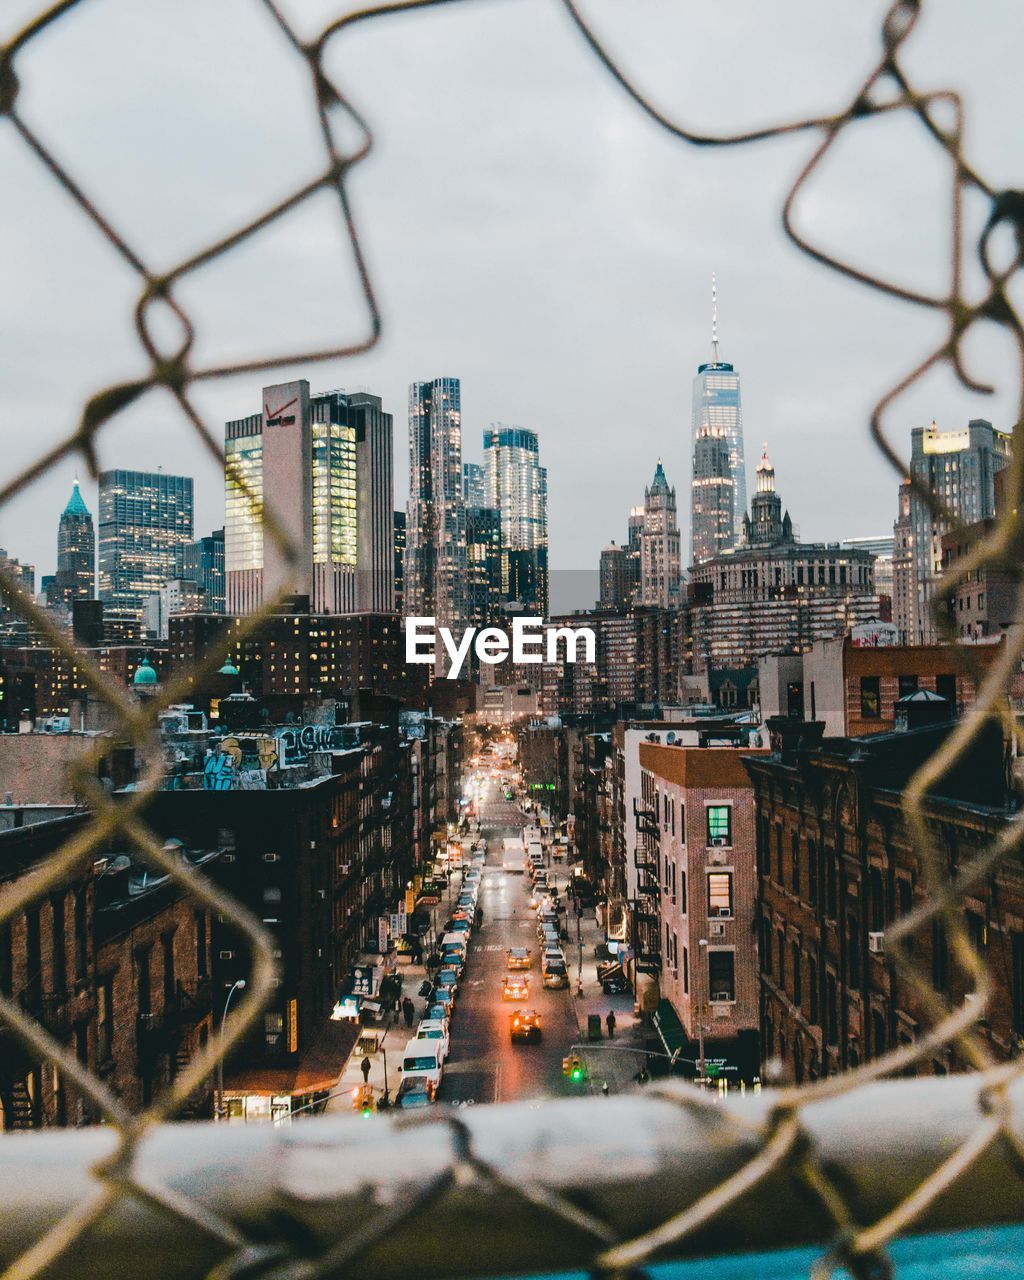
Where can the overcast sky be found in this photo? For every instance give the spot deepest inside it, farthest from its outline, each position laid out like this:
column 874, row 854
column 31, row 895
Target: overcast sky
column 528, row 229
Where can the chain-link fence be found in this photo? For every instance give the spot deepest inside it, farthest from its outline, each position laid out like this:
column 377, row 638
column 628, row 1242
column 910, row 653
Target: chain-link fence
column 784, row 1143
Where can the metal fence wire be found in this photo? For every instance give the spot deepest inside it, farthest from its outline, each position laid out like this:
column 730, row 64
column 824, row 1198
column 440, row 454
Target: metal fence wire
column 781, row 1143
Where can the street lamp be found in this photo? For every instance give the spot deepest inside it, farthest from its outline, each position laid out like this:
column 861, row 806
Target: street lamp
column 238, row 985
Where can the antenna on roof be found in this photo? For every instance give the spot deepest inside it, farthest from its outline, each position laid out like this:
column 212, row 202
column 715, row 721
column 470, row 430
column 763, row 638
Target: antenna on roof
column 714, row 318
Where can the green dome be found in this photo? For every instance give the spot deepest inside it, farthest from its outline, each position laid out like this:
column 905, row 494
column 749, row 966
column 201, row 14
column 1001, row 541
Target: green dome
column 144, row 674
column 228, row 669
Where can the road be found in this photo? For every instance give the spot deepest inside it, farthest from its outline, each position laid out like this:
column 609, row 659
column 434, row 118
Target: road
column 484, row 1065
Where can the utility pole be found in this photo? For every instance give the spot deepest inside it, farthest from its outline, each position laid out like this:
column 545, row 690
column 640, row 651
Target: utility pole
column 239, row 985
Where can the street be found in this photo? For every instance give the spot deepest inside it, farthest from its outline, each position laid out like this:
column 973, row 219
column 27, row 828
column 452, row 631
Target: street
column 484, row 1065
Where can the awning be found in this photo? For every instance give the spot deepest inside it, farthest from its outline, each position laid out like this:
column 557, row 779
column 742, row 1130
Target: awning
column 317, row 1069
column 669, row 1028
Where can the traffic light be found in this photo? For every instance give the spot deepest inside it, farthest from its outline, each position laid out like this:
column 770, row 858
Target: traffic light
column 573, row 1068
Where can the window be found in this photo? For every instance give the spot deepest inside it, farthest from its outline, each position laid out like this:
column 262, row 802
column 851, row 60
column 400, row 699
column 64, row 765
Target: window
column 272, row 895
column 812, row 989
column 870, row 698
column 81, row 935
column 907, row 686
column 831, row 1009
column 780, row 943
column 940, row 956
column 719, row 818
column 778, row 853
column 682, row 893
column 812, row 873
column 945, row 687
column 60, row 960
column 853, row 950
column 720, row 893
column 831, row 879
column 798, row 977
column 143, row 992
column 794, row 869
column 766, row 947
column 722, row 975
column 876, row 903
column 201, row 948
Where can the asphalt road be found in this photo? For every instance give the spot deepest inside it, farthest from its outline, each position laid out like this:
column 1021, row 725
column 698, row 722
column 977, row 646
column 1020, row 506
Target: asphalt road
column 484, row 1065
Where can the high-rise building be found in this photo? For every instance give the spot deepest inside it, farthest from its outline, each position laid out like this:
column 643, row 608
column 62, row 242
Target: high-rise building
column 474, row 484
column 659, row 544
column 399, row 561
column 75, row 578
column 960, row 468
column 883, row 548
column 202, row 562
column 322, row 466
column 518, row 487
column 483, row 556
column 435, row 554
column 145, row 517
column 616, row 587
column 718, row 494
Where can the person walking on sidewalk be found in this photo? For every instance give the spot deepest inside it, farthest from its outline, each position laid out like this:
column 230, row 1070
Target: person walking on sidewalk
column 364, row 1067
column 610, row 1023
column 408, row 1012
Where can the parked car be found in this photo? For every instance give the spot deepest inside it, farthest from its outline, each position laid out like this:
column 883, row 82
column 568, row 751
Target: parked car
column 524, row 1027
column 422, row 1060
column 445, row 997
column 519, row 958
column 415, row 1091
column 448, row 979
column 556, row 976
column 434, row 1029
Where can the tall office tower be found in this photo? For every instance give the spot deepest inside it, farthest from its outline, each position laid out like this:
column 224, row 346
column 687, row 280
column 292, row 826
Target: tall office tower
column 883, row 548
column 474, row 484
column 617, row 589
column 202, row 562
column 75, row 578
column 435, row 552
column 904, row 592
column 322, row 466
column 718, row 496
column 659, row 544
column 145, row 516
column 483, row 557
column 960, row 468
column 399, row 561
column 634, row 533
column 518, row 487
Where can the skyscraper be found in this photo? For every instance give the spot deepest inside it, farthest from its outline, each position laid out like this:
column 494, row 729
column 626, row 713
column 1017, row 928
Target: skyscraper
column 202, row 562
column 145, row 517
column 718, row 495
column 474, row 484
column 518, row 487
column 435, row 553
column 400, row 561
column 483, row 556
column 960, row 468
column 323, row 466
column 659, row 544
column 75, row 578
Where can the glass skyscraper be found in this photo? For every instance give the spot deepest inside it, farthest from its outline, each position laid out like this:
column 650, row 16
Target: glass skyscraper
column 145, row 517
column 518, row 487
column 718, row 496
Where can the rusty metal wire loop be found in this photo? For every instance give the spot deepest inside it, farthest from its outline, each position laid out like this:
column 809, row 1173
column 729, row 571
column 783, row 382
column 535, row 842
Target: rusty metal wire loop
column 781, row 1143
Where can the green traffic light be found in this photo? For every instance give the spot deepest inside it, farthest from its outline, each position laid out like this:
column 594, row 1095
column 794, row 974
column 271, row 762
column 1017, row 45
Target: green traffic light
column 577, row 1074
column 367, row 1113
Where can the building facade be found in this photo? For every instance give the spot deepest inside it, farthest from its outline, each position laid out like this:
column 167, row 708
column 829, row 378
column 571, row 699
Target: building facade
column 435, row 552
column 517, row 486
column 202, row 562
column 75, row 578
column 322, row 465
column 959, row 467
column 660, row 565
column 145, row 517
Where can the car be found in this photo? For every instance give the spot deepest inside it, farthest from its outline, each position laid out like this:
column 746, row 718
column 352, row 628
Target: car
column 519, row 958
column 553, row 953
column 453, row 959
column 556, row 976
column 422, row 1061
column 448, row 980
column 462, row 914
column 444, row 996
column 434, row 1029
column 415, row 1092
column 515, row 988
column 548, row 935
column 524, row 1026
column 464, row 925
column 437, row 1013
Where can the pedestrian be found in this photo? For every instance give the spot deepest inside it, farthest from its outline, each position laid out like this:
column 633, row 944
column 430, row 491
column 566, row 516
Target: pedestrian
column 479, row 916
column 610, row 1023
column 604, row 1088
column 364, row 1067
column 408, row 1011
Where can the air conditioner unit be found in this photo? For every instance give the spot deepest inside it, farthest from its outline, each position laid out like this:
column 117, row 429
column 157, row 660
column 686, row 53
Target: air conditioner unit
column 228, row 857
column 271, row 857
column 227, row 955
column 721, row 997
column 720, row 842
column 321, row 893
column 725, row 911
column 345, row 868
column 876, row 943
column 715, row 929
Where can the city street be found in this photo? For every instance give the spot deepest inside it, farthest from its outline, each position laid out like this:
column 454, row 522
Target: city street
column 484, row 1065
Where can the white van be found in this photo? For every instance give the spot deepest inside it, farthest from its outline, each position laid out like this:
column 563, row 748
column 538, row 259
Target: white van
column 423, row 1059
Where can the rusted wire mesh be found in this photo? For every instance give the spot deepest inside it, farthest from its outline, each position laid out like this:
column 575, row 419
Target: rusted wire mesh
column 782, row 1144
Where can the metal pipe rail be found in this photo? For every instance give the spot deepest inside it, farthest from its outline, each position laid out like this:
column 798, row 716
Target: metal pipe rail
column 500, row 1189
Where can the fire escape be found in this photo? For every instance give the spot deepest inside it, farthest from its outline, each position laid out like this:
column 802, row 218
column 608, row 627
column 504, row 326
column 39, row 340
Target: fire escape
column 645, row 911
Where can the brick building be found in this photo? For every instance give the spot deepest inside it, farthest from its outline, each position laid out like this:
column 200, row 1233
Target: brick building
column 115, row 964
column 837, row 867
column 697, row 881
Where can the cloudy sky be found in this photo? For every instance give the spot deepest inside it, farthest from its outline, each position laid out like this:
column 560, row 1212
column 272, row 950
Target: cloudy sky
column 528, row 229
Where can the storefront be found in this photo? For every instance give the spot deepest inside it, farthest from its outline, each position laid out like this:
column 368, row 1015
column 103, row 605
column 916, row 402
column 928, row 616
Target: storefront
column 272, row 1095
